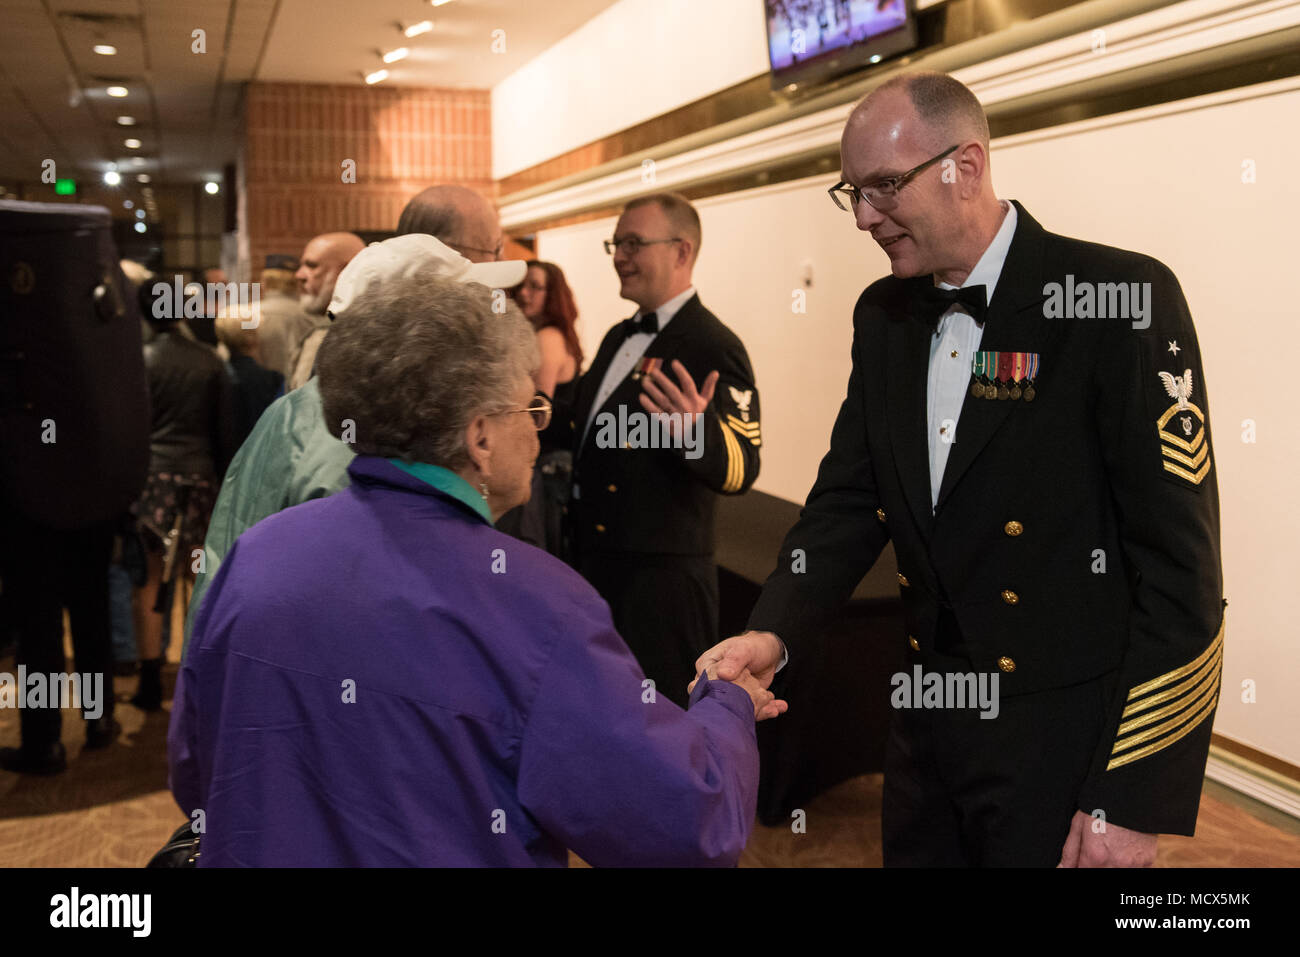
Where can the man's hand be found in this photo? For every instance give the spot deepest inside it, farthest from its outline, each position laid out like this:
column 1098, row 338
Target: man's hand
column 1109, row 846
column 765, row 703
column 755, row 653
column 659, row 394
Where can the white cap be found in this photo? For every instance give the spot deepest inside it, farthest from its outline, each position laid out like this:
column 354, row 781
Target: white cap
column 403, row 257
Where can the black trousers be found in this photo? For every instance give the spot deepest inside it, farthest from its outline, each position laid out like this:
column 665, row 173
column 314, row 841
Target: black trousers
column 45, row 570
column 664, row 606
column 966, row 791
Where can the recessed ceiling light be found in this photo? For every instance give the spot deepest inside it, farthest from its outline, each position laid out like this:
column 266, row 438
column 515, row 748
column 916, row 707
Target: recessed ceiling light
column 392, row 56
column 131, row 144
column 126, row 121
column 105, row 49
column 142, row 177
column 127, row 204
column 116, row 91
column 211, row 188
column 415, row 29
column 140, row 227
column 439, row 3
column 139, row 214
column 377, row 76
column 112, row 177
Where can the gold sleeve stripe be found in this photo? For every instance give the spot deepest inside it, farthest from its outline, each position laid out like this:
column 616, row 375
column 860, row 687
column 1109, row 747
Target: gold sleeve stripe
column 1189, row 461
column 746, row 430
column 1194, row 478
column 735, row 462
column 740, row 425
column 1169, row 693
column 1150, row 749
column 1186, row 669
column 1209, row 684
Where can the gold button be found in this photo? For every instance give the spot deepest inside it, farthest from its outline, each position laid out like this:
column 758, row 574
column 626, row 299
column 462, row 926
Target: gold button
column 1007, row 664
column 916, row 646
column 1009, row 596
column 954, row 353
column 600, row 528
column 902, row 580
column 573, row 424
column 612, row 488
column 1013, row 528
column 880, row 514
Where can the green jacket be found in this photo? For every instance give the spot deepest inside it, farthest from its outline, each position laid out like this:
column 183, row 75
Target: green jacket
column 289, row 458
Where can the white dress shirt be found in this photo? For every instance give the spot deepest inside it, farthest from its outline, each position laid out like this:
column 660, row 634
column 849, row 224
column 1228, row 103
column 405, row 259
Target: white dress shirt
column 952, row 348
column 632, row 349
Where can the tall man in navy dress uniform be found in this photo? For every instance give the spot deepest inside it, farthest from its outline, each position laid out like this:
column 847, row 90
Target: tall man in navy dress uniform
column 1027, row 420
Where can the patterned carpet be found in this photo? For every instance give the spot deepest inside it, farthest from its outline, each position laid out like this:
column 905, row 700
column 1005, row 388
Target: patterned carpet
column 111, row 808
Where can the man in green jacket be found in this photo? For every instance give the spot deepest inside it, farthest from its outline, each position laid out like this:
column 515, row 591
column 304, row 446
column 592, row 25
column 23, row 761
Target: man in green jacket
column 290, row 457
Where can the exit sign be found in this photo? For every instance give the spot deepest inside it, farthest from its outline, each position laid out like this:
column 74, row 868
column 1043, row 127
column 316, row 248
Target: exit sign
column 65, row 187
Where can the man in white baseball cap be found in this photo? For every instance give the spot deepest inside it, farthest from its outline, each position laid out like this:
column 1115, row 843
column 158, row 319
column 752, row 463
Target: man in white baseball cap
column 290, row 456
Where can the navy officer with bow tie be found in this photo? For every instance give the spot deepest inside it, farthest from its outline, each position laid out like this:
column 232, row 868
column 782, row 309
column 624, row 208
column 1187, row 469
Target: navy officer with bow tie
column 1027, row 420
column 667, row 419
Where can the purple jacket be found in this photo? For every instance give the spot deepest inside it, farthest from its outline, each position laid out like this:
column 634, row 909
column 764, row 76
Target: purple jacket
column 382, row 678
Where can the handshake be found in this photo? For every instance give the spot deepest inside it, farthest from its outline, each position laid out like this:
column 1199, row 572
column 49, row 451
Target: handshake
column 750, row 661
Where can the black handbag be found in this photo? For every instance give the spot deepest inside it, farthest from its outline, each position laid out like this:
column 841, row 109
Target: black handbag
column 181, row 849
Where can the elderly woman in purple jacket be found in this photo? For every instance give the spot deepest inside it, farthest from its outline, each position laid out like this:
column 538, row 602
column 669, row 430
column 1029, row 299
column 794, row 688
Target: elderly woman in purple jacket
column 382, row 678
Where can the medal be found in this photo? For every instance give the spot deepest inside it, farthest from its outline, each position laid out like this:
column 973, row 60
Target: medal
column 1031, row 370
column 982, row 366
column 646, row 366
column 1006, row 373
column 1018, row 373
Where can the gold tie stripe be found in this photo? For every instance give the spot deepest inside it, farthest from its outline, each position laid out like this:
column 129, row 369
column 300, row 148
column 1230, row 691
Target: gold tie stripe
column 1192, row 692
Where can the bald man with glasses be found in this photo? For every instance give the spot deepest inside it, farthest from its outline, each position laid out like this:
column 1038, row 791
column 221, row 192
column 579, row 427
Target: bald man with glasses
column 1027, row 420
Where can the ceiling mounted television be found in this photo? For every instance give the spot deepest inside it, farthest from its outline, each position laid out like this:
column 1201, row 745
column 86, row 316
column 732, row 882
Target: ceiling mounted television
column 814, row 40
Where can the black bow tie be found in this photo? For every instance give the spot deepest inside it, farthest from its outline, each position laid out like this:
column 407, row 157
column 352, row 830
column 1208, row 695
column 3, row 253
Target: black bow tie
column 934, row 302
column 647, row 323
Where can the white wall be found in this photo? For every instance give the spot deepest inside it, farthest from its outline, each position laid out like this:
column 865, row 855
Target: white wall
column 1168, row 185
column 636, row 60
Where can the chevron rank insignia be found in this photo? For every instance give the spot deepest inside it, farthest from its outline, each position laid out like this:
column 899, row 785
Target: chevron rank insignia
column 746, row 430
column 1184, row 449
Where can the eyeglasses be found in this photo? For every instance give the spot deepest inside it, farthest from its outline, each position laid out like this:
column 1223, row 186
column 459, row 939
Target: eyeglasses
column 631, row 245
column 882, row 194
column 494, row 253
column 539, row 409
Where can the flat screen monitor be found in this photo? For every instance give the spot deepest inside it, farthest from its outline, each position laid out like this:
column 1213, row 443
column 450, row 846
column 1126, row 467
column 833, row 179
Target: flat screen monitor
column 812, row 40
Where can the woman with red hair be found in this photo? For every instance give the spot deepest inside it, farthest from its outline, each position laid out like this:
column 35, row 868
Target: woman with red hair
column 546, row 301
